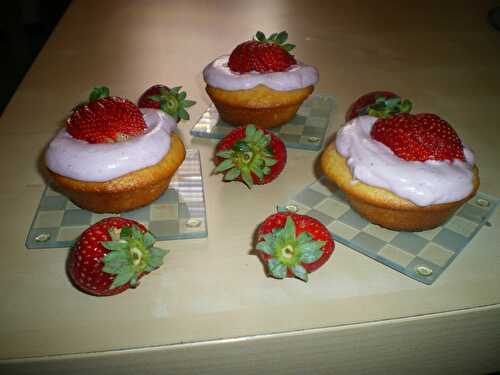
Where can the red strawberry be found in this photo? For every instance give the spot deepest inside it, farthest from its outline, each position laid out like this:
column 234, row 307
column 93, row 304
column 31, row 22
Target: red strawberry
column 172, row 101
column 105, row 119
column 419, row 137
column 263, row 54
column 112, row 255
column 251, row 155
column 379, row 104
column 293, row 245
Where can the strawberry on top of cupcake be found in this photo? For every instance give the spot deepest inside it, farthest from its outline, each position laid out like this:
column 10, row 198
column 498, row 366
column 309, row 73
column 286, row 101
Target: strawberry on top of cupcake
column 105, row 119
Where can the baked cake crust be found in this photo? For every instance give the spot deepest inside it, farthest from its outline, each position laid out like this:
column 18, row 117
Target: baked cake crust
column 383, row 207
column 260, row 105
column 128, row 192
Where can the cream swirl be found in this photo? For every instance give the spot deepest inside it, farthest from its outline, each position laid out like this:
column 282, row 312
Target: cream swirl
column 217, row 74
column 80, row 160
column 423, row 183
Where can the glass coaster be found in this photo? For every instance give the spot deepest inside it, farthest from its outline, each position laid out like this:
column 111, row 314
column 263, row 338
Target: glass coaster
column 305, row 131
column 423, row 256
column 177, row 214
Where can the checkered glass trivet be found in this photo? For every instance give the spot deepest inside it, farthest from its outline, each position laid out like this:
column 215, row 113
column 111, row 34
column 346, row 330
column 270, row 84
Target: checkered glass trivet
column 177, row 214
column 422, row 256
column 305, row 131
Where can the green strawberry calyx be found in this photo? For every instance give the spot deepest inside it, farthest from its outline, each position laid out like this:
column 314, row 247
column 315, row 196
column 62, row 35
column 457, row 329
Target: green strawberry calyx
column 131, row 254
column 287, row 251
column 98, row 92
column 173, row 101
column 386, row 107
column 275, row 38
column 248, row 156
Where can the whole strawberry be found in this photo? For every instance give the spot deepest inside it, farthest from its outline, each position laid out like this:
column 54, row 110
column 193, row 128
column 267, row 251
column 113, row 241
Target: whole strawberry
column 263, row 54
column 172, row 101
column 105, row 119
column 251, row 155
column 379, row 104
column 293, row 245
column 419, row 137
column 112, row 255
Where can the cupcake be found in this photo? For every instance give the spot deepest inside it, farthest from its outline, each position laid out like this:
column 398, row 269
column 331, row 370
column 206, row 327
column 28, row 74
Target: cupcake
column 260, row 83
column 112, row 156
column 405, row 172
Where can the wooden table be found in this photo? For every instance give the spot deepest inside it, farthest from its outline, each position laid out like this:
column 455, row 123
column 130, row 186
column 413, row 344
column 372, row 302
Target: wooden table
column 210, row 309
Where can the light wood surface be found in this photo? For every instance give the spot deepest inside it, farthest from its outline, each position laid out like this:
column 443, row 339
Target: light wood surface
column 210, row 307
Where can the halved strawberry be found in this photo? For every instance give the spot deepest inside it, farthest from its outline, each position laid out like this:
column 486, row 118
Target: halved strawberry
column 379, row 104
column 112, row 255
column 293, row 245
column 105, row 119
column 172, row 101
column 420, row 137
column 263, row 54
column 251, row 155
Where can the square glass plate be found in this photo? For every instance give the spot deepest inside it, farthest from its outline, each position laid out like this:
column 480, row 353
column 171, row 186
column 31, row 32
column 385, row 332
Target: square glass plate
column 179, row 213
column 423, row 256
column 305, row 131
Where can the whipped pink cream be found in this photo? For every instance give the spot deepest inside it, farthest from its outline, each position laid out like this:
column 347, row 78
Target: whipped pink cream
column 423, row 183
column 217, row 74
column 80, row 160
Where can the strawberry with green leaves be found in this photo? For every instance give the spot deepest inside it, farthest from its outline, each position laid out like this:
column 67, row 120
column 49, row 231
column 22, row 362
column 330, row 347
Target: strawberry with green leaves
column 105, row 119
column 112, row 255
column 254, row 156
column 419, row 137
column 263, row 54
column 380, row 104
column 170, row 100
column 293, row 245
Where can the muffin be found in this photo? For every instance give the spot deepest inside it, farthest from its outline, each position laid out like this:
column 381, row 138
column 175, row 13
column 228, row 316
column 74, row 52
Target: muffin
column 260, row 83
column 113, row 157
column 406, row 172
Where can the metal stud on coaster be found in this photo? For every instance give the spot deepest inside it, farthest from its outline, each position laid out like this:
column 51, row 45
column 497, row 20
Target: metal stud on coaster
column 423, row 270
column 193, row 223
column 43, row 237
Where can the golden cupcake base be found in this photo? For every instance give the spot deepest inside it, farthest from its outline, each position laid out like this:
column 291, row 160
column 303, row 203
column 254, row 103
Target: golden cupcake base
column 262, row 106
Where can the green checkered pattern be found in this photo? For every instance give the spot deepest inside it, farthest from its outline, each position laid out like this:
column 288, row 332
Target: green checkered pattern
column 178, row 214
column 422, row 256
column 305, row 131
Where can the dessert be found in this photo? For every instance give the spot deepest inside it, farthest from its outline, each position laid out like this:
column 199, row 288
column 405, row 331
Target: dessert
column 112, row 255
column 113, row 157
column 170, row 100
column 293, row 245
column 260, row 83
column 250, row 155
column 405, row 172
column 379, row 104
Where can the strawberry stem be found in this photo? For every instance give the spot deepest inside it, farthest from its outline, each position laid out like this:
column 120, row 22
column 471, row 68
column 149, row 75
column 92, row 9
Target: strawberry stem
column 98, row 93
column 174, row 102
column 386, row 107
column 248, row 156
column 276, row 38
column 131, row 254
column 287, row 251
